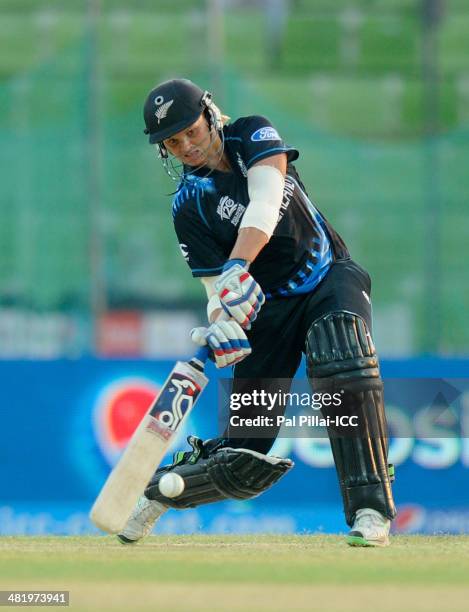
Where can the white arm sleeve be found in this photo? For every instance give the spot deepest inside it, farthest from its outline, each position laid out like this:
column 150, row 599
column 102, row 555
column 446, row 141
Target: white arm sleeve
column 213, row 300
column 265, row 188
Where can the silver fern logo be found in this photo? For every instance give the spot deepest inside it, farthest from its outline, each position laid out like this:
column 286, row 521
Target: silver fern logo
column 162, row 111
column 184, row 251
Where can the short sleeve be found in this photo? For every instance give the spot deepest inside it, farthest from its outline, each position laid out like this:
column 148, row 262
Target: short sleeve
column 261, row 140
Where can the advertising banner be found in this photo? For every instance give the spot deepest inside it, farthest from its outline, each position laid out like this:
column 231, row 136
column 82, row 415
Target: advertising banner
column 65, row 423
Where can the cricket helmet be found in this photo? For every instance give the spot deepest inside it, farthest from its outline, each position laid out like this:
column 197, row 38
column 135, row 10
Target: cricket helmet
column 172, row 106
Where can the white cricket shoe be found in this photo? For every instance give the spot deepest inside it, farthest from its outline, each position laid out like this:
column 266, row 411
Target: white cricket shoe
column 370, row 528
column 142, row 520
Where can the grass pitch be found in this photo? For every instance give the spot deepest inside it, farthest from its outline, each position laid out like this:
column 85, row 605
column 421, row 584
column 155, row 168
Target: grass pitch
column 249, row 573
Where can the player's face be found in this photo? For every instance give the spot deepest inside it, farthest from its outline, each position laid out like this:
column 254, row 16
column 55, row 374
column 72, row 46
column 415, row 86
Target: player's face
column 193, row 146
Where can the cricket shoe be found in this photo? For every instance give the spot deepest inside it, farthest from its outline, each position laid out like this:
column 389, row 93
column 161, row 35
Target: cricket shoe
column 370, row 528
column 142, row 520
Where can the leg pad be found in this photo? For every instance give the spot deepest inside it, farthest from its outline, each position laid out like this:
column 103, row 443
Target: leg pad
column 341, row 356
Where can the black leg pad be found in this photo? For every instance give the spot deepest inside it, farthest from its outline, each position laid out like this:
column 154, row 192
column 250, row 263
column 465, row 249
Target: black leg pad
column 341, row 357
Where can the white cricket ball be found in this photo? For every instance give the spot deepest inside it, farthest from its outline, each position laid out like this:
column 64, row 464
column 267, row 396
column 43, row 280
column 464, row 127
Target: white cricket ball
column 171, row 485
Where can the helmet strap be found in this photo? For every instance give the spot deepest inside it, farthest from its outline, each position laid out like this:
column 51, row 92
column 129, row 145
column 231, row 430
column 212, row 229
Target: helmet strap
column 213, row 111
column 162, row 151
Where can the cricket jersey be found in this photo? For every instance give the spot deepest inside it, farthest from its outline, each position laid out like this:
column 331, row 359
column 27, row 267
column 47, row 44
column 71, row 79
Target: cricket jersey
column 208, row 209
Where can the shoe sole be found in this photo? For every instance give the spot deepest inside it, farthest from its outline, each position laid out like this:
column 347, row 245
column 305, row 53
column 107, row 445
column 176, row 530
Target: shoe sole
column 361, row 541
column 123, row 540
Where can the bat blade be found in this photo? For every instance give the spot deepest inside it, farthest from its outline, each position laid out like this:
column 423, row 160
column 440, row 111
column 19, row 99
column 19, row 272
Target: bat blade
column 147, row 447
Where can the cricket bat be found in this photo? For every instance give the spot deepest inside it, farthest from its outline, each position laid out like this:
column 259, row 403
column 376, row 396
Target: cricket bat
column 149, row 444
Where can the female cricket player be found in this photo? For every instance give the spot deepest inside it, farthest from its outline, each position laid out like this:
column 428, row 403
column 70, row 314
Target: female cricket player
column 280, row 282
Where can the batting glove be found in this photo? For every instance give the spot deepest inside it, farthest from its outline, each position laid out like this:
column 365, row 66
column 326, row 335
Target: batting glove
column 226, row 339
column 240, row 295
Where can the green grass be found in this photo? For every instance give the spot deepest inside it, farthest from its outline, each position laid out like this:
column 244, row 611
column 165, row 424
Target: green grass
column 242, row 573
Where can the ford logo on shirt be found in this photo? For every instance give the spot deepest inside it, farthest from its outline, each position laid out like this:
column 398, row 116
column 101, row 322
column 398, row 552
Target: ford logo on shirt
column 265, row 133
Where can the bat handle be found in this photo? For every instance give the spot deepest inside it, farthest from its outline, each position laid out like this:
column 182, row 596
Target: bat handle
column 202, row 354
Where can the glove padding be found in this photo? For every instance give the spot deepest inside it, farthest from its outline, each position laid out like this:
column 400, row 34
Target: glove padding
column 240, row 295
column 226, row 339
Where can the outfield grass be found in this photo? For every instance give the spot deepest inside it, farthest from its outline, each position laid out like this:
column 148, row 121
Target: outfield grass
column 242, row 573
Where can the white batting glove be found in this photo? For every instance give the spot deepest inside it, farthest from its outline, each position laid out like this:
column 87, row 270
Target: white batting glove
column 240, row 295
column 226, row 339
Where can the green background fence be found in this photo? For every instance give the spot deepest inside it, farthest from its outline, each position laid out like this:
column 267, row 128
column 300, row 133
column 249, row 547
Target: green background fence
column 375, row 96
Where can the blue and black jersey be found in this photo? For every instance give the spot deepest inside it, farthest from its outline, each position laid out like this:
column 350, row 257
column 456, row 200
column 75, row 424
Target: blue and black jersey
column 207, row 212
